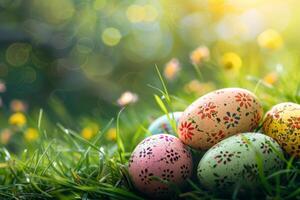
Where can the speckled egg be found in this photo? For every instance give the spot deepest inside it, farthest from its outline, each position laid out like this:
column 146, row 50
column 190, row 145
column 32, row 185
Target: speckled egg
column 163, row 156
column 235, row 161
column 217, row 115
column 163, row 124
column 281, row 107
column 282, row 123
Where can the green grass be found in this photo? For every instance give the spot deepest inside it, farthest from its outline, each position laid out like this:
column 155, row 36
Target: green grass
column 70, row 167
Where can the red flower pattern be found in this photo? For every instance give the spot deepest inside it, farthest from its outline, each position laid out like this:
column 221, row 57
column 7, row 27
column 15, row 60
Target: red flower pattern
column 255, row 121
column 294, row 122
column 230, row 110
column 186, row 129
column 243, row 99
column 207, row 110
column 274, row 114
column 215, row 137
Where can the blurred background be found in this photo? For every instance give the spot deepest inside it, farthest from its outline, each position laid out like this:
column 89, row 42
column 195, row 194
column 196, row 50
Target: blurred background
column 84, row 60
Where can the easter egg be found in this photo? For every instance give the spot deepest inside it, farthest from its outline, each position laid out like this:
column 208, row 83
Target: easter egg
column 281, row 107
column 163, row 124
column 159, row 157
column 217, row 115
column 282, row 123
column 235, row 161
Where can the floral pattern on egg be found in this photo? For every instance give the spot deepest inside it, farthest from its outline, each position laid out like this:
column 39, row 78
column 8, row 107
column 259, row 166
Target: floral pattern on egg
column 163, row 124
column 163, row 156
column 282, row 123
column 234, row 160
column 217, row 115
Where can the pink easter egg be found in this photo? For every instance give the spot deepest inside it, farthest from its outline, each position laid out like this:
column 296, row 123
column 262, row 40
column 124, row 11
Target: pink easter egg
column 159, row 157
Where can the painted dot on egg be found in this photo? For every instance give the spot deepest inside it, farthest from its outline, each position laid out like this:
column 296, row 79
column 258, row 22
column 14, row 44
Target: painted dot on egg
column 163, row 124
column 163, row 156
column 234, row 161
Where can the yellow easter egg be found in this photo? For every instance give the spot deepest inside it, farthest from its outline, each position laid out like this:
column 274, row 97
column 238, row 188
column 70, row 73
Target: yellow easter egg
column 282, row 123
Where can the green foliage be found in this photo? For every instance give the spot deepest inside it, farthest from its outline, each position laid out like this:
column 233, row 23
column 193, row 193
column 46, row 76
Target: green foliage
column 71, row 167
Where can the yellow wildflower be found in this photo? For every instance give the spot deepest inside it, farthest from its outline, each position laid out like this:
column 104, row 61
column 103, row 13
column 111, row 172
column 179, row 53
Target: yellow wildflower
column 90, row 130
column 127, row 98
column 231, row 61
column 17, row 119
column 135, row 13
column 87, row 133
column 199, row 55
column 31, row 134
column 220, row 7
column 111, row 134
column 270, row 39
column 5, row 136
column 271, row 78
column 171, row 69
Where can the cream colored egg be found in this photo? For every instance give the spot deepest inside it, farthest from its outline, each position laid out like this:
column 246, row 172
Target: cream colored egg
column 281, row 107
column 217, row 115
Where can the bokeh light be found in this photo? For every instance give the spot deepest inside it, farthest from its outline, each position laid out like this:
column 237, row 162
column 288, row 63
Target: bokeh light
column 141, row 13
column 135, row 13
column 111, row 36
column 85, row 45
column 99, row 4
column 17, row 54
column 54, row 11
column 97, row 49
column 96, row 67
column 151, row 13
column 270, row 39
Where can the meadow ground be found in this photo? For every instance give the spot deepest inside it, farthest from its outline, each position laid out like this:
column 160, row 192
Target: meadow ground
column 73, row 166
